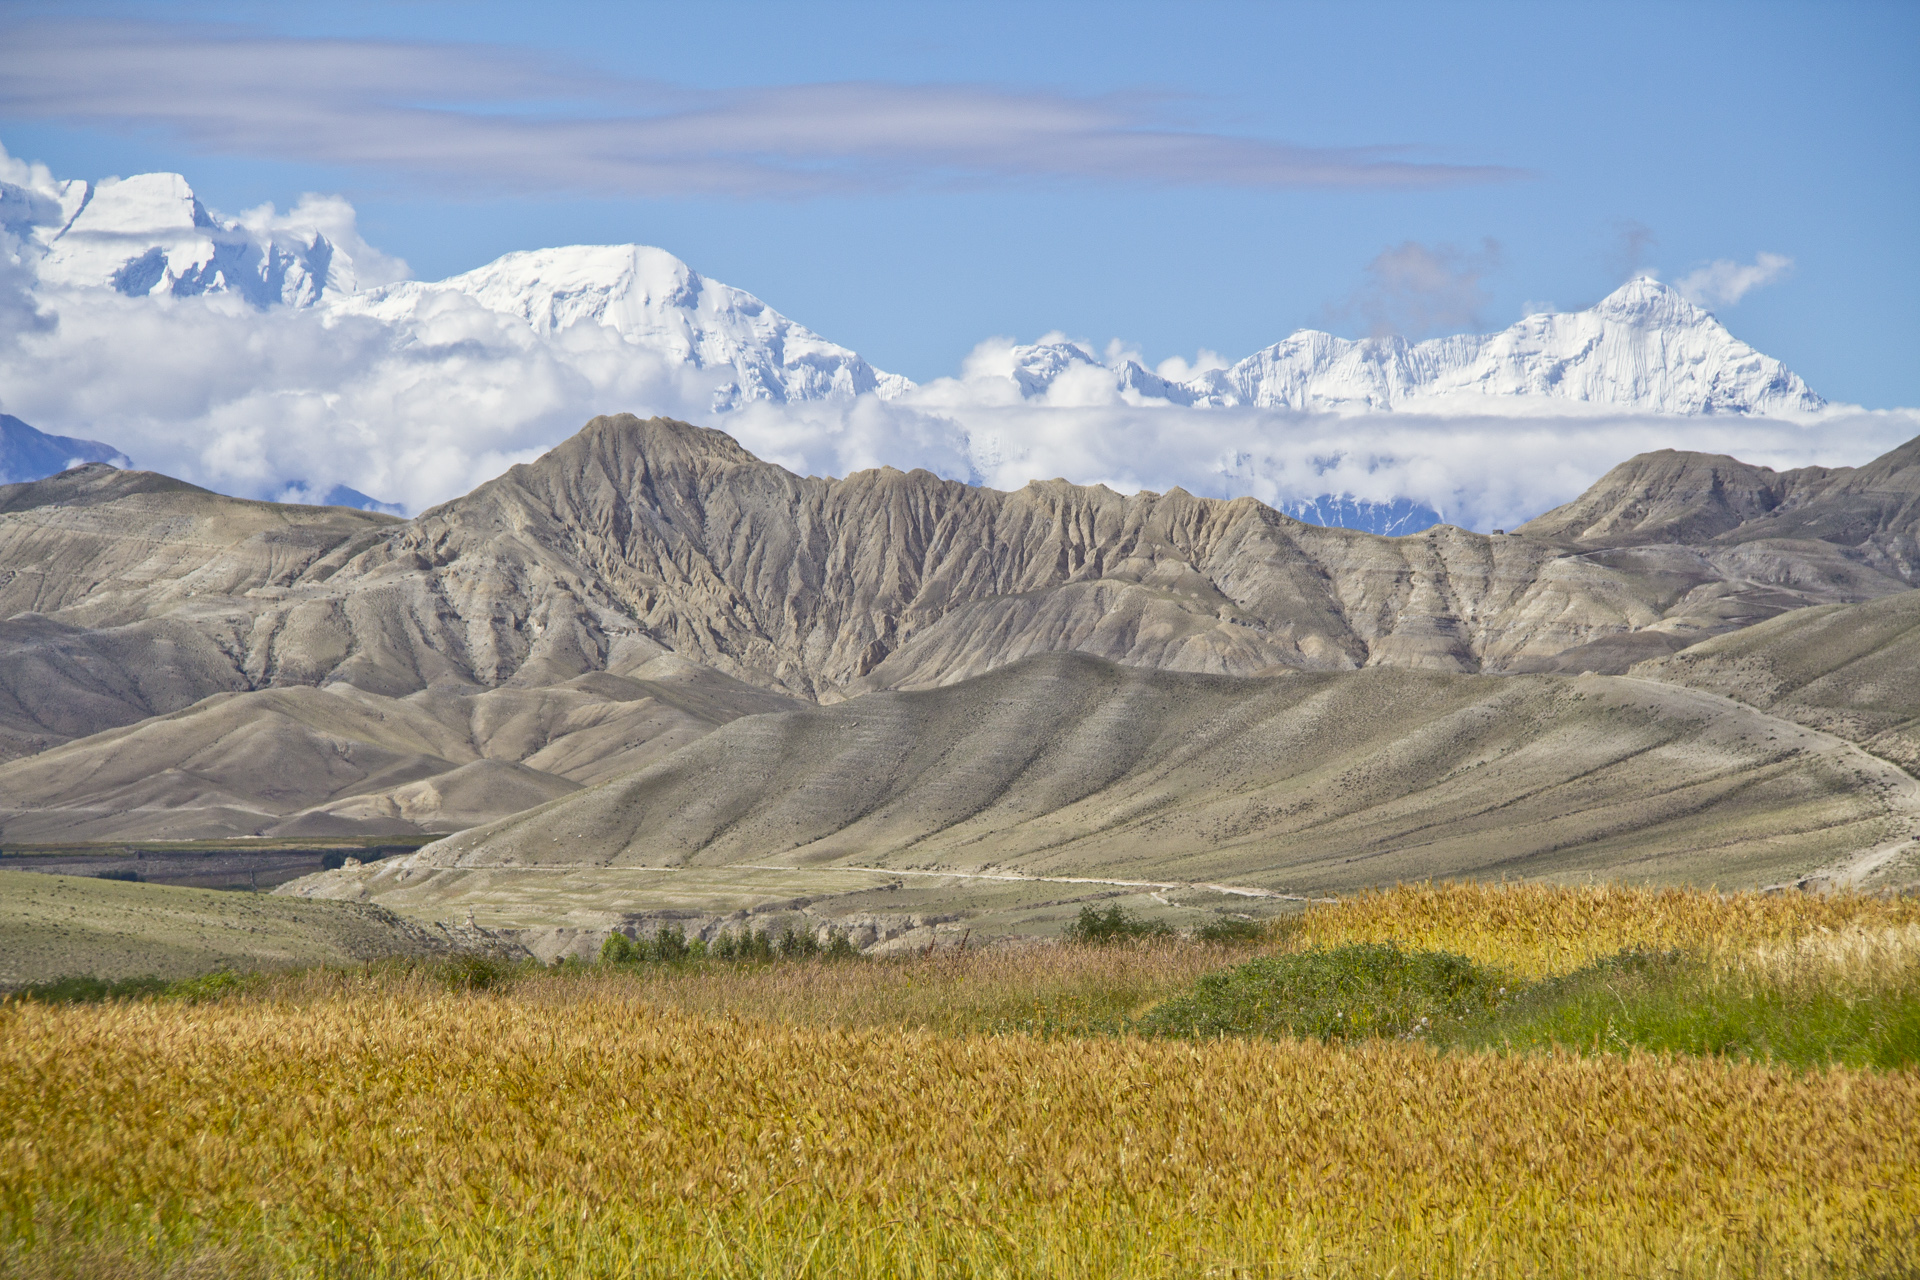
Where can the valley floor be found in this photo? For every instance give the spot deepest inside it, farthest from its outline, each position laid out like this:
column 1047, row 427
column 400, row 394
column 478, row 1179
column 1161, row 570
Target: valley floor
column 1006, row 1111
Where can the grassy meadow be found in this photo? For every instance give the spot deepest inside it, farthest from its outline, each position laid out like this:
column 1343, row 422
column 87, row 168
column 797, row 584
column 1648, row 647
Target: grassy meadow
column 1442, row 1081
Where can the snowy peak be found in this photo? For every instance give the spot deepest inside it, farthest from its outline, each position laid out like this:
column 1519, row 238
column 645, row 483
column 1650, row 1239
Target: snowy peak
column 1645, row 302
column 654, row 300
column 149, row 235
column 1642, row 348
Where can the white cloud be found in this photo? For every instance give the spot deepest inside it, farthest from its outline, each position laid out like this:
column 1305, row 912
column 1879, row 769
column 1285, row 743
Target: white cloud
column 289, row 402
column 1179, row 369
column 1480, row 472
column 1724, row 282
column 251, row 403
column 335, row 219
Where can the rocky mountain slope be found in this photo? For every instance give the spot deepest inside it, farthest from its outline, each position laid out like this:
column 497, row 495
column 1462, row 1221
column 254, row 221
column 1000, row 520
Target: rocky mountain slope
column 299, row 761
column 126, row 595
column 1699, row 499
column 1068, row 766
column 1850, row 670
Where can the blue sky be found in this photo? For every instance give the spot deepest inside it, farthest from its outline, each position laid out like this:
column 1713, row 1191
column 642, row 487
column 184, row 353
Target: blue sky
column 909, row 179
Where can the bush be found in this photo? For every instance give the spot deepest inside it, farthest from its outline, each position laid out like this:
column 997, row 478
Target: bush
column 617, row 949
column 119, row 873
column 471, row 972
column 796, row 944
column 1365, row 989
column 209, row 986
column 1230, row 933
column 1115, row 924
column 90, row 990
column 746, row 944
column 840, row 947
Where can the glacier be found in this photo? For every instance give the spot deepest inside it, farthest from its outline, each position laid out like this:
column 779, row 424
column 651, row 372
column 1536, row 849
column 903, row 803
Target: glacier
column 1394, row 519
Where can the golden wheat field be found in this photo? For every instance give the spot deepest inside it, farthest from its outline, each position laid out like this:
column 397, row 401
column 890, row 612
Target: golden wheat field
column 813, row 1120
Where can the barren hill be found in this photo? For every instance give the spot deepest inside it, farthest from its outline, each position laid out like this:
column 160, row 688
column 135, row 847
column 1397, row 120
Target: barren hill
column 436, row 642
column 1851, row 670
column 1066, row 766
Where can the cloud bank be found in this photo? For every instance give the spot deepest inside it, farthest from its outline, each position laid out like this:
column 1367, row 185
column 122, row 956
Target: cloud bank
column 263, row 403
column 287, row 402
column 501, row 119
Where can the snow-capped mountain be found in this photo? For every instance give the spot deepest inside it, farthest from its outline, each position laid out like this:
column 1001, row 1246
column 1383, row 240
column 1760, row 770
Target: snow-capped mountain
column 150, row 235
column 653, row 300
column 1642, row 348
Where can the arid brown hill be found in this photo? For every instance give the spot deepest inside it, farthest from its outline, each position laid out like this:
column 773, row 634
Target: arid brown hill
column 125, row 595
column 1063, row 765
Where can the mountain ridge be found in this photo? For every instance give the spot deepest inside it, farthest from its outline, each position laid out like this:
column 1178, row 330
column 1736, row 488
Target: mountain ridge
column 178, row 662
column 1642, row 348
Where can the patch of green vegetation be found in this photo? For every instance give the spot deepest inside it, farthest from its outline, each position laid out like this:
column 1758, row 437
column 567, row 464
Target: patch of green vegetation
column 1116, row 924
column 90, row 990
column 1669, row 1002
column 1233, row 933
column 669, row 944
column 1342, row 993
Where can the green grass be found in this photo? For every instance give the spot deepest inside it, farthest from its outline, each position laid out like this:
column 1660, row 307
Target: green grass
column 1342, row 993
column 1635, row 1000
column 1669, row 1002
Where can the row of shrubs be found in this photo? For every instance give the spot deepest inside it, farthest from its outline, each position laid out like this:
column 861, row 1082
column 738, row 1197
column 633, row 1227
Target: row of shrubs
column 1095, row 927
column 670, row 943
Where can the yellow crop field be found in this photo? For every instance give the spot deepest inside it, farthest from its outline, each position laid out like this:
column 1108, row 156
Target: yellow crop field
column 1538, row 931
column 668, row 1123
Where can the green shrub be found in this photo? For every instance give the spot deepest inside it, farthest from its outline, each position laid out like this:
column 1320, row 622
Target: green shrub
column 1366, row 989
column 1115, row 924
column 745, row 944
column 617, row 949
column 840, row 947
column 89, row 990
column 797, row 944
column 669, row 943
column 471, row 972
column 208, row 986
column 1231, row 932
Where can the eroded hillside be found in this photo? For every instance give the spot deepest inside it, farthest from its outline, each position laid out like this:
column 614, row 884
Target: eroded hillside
column 184, row 663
